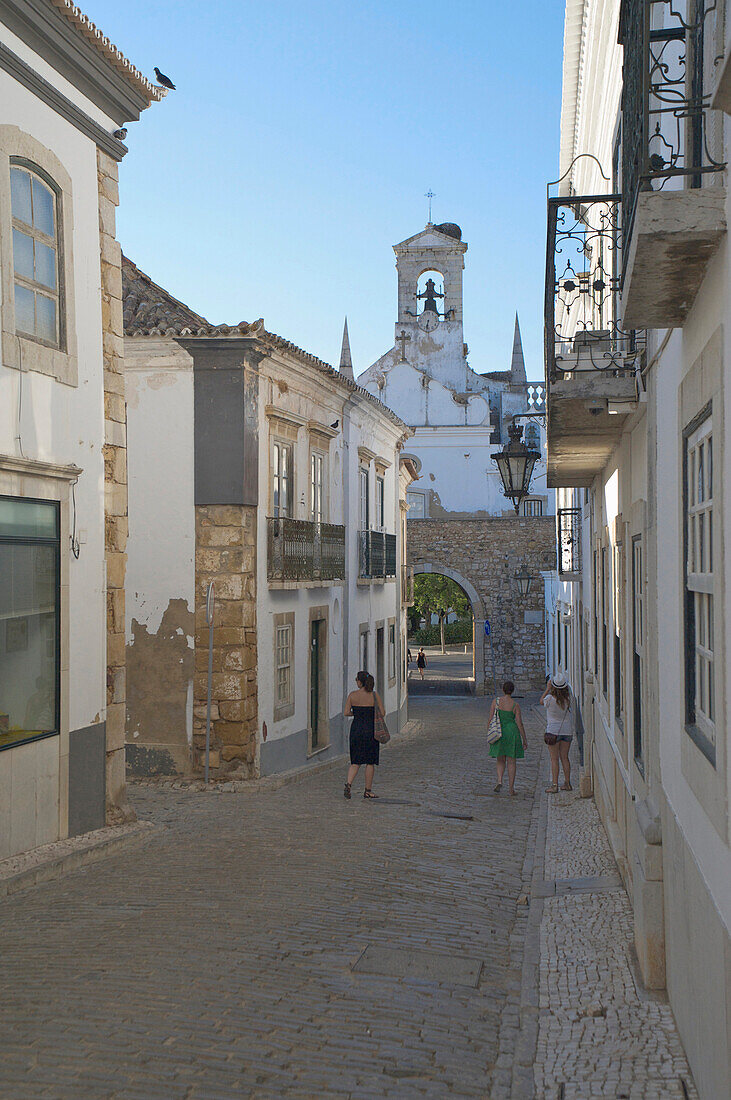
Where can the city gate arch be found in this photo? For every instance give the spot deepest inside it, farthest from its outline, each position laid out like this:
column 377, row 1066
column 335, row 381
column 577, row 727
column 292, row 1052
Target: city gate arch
column 483, row 556
column 478, row 611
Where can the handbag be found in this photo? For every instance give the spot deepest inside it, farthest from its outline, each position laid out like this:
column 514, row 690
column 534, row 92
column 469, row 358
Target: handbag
column 380, row 730
column 494, row 730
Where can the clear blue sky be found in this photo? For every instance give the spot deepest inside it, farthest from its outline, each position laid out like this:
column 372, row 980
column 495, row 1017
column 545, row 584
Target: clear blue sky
column 302, row 138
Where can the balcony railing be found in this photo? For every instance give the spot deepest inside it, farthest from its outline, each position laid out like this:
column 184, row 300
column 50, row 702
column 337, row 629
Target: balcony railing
column 668, row 129
column 568, row 528
column 302, row 550
column 583, row 281
column 377, row 554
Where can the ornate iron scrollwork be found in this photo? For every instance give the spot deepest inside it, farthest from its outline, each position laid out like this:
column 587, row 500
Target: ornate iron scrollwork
column 583, row 280
column 666, row 96
column 569, row 540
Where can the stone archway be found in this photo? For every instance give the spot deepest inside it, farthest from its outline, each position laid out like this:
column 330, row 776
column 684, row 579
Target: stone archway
column 483, row 555
column 478, row 611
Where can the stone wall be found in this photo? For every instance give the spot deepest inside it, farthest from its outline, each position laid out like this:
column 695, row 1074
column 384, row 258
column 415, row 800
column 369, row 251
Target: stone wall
column 485, row 554
column 226, row 554
column 115, row 487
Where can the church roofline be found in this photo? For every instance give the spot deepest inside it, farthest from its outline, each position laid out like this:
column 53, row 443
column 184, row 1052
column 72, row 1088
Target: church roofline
column 457, row 246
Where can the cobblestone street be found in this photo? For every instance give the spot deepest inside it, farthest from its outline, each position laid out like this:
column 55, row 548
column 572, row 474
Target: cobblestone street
column 290, row 943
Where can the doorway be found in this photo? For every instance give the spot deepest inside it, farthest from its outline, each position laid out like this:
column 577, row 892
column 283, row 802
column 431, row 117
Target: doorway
column 381, row 661
column 318, row 682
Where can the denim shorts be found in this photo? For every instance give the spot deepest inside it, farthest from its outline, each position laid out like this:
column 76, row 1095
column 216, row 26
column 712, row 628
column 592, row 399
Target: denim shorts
column 565, row 737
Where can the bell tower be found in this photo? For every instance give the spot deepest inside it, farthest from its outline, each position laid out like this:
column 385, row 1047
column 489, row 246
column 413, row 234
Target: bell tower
column 438, row 248
column 429, row 326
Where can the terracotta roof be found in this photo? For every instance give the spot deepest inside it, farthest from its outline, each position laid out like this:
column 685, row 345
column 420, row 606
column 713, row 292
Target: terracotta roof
column 108, row 50
column 149, row 310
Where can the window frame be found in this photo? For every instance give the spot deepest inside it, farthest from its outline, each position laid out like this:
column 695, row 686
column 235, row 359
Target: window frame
column 381, row 502
column 364, row 504
column 56, row 243
column 18, row 351
column 699, row 585
column 318, row 459
column 391, row 656
column 617, row 578
column 638, row 651
column 532, row 507
column 284, row 622
column 279, row 446
column 28, row 540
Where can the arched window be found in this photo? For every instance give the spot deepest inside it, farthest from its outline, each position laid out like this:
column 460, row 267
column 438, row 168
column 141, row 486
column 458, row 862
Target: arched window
column 35, row 255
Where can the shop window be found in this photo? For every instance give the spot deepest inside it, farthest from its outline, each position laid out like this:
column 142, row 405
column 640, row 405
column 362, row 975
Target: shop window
column 29, row 620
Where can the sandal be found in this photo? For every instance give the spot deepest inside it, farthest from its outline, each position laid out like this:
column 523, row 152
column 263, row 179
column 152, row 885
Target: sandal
column 567, row 787
column 346, row 792
column 497, row 788
column 368, row 793
column 514, row 794
column 553, row 789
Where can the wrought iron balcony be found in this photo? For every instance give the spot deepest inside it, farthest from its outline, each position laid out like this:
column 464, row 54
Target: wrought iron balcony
column 301, row 550
column 672, row 147
column 377, row 556
column 591, row 359
column 568, row 528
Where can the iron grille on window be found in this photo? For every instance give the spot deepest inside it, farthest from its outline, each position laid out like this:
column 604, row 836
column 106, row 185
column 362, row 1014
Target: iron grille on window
column 569, row 540
column 667, row 124
column 377, row 554
column 583, row 281
column 301, row 550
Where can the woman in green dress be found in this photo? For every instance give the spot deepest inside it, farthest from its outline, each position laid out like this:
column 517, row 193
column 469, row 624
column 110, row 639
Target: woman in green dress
column 513, row 743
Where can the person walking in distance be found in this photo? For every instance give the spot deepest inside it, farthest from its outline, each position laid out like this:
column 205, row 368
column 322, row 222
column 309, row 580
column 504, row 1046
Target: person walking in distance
column 421, row 661
column 513, row 742
column 559, row 734
column 361, row 705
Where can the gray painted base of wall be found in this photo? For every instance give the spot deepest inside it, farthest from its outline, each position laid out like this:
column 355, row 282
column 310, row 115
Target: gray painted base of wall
column 288, row 753
column 87, row 778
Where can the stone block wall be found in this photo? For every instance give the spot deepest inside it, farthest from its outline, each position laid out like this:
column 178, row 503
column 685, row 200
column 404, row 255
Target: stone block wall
column 226, row 554
column 486, row 553
column 115, row 488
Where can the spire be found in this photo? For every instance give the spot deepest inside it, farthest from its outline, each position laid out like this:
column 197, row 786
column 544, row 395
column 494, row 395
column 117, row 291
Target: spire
column 346, row 363
column 517, row 363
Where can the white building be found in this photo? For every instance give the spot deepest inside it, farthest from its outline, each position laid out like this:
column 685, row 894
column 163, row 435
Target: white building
column 459, row 416
column 281, row 481
column 64, row 91
column 638, row 400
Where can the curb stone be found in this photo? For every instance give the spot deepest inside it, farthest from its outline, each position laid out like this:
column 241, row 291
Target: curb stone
column 52, row 861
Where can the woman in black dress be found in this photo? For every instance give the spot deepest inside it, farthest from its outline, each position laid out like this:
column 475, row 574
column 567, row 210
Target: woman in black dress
column 364, row 749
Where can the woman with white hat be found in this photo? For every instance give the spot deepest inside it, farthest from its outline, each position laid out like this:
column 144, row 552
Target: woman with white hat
column 559, row 729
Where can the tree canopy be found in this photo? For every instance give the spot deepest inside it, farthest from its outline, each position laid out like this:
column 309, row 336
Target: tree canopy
column 435, row 594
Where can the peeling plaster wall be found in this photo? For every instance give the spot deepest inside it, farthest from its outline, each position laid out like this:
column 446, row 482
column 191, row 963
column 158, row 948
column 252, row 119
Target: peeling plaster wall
column 161, row 553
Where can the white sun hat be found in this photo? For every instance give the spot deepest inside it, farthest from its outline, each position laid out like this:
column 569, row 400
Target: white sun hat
column 559, row 680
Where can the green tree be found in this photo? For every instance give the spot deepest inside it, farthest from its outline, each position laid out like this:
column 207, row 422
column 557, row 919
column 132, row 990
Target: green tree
column 440, row 596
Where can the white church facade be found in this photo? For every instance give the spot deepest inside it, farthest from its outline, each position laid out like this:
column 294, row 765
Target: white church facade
column 460, row 524
column 459, row 416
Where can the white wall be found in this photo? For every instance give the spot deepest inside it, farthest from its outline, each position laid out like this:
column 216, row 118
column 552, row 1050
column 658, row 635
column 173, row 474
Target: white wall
column 46, row 420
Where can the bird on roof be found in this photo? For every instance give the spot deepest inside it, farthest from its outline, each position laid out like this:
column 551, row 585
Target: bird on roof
column 164, row 80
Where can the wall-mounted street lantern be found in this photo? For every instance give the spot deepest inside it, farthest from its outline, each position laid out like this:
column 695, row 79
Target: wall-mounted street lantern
column 515, row 463
column 523, row 580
